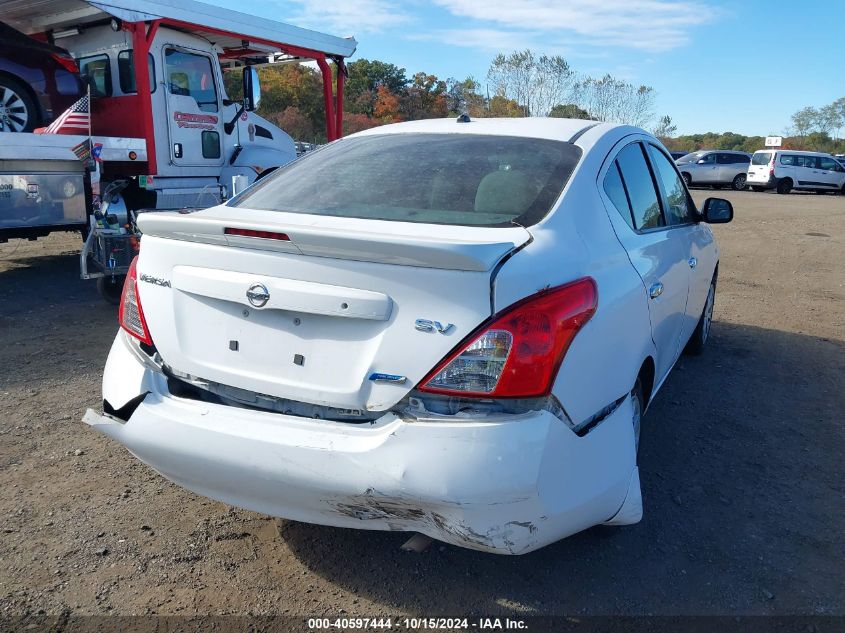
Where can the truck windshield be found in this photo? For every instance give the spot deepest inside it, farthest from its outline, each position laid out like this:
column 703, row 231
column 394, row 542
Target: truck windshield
column 461, row 179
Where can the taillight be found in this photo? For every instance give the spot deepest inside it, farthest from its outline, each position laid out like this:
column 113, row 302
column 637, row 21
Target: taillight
column 131, row 314
column 66, row 61
column 518, row 352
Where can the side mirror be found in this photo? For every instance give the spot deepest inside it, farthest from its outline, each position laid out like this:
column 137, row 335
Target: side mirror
column 717, row 211
column 702, row 161
column 252, row 89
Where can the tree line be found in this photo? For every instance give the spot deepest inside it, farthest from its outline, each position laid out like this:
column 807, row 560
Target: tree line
column 814, row 129
column 518, row 84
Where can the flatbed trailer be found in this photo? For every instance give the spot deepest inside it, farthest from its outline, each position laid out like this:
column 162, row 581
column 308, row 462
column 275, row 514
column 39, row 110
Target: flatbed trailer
column 45, row 187
column 167, row 134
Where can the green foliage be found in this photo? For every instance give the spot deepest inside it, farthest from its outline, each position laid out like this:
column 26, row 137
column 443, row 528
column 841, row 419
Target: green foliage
column 365, row 77
column 569, row 111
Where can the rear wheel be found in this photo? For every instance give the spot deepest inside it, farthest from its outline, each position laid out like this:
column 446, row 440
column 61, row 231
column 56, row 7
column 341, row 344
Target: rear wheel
column 110, row 288
column 785, row 186
column 699, row 337
column 17, row 109
column 739, row 182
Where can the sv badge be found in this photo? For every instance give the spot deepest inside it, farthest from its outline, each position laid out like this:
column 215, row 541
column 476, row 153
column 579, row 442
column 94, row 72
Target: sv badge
column 424, row 325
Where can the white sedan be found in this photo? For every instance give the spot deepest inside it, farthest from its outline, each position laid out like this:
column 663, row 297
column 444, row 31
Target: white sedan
column 444, row 327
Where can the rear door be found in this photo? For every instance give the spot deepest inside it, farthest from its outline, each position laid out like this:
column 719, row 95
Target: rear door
column 193, row 107
column 631, row 192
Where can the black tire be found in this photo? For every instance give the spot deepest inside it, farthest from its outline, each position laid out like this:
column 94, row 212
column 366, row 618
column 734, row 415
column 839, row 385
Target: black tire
column 784, row 186
column 687, row 179
column 638, row 400
column 739, row 182
column 18, row 112
column 698, row 340
column 756, row 188
column 110, row 288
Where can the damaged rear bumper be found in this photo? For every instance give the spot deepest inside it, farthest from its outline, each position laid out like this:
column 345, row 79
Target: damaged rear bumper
column 500, row 485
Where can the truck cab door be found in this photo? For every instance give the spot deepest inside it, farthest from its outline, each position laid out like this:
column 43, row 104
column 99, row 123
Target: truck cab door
column 193, row 107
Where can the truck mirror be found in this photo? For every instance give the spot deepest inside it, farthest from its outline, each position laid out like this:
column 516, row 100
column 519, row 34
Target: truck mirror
column 252, row 89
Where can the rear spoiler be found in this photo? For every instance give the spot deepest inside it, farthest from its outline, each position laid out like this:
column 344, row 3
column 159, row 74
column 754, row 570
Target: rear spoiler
column 399, row 243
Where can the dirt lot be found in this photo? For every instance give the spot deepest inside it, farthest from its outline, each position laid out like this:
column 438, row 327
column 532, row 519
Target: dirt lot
column 741, row 466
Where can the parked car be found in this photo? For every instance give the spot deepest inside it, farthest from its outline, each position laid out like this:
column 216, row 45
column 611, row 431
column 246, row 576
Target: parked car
column 785, row 170
column 430, row 340
column 38, row 81
column 677, row 155
column 715, row 168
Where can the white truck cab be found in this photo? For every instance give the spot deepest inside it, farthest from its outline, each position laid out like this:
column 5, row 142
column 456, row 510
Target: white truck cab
column 202, row 137
column 163, row 132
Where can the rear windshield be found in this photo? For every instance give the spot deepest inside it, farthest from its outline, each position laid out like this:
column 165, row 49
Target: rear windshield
column 761, row 158
column 462, row 179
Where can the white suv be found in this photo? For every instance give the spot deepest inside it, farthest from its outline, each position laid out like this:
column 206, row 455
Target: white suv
column 785, row 170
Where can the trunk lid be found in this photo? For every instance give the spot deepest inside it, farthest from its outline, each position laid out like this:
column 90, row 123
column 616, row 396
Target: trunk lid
column 313, row 317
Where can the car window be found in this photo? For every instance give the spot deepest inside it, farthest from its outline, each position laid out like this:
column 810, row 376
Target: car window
column 741, row 159
column 761, row 158
column 828, row 163
column 707, row 159
column 811, row 162
column 726, row 159
column 126, row 72
column 787, row 159
column 615, row 190
column 97, row 69
column 678, row 206
column 461, row 179
column 191, row 75
column 688, row 158
column 636, row 175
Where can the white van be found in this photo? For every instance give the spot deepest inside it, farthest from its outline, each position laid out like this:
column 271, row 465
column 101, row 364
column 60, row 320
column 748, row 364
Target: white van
column 785, row 170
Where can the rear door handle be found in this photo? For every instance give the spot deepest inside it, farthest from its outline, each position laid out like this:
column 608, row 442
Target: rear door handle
column 693, row 262
column 656, row 290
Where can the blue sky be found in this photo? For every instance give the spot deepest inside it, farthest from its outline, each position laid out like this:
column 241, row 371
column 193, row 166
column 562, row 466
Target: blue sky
column 743, row 66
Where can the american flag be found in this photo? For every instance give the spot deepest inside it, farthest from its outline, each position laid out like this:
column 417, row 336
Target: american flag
column 76, row 119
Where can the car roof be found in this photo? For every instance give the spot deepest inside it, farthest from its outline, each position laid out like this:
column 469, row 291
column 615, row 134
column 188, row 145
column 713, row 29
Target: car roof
column 551, row 128
column 796, row 151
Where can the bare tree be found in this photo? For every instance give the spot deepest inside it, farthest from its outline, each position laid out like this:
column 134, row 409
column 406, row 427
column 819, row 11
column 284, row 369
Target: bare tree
column 665, row 127
column 536, row 83
column 611, row 99
column 539, row 83
column 554, row 83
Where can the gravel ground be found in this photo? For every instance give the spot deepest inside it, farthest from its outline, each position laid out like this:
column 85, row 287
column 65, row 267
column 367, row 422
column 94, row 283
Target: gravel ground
column 741, row 466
